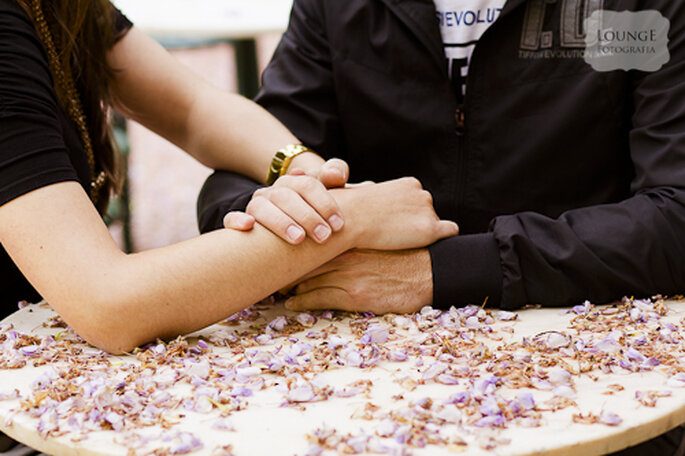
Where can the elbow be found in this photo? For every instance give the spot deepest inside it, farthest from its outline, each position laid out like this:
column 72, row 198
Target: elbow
column 106, row 324
column 107, row 334
column 115, row 344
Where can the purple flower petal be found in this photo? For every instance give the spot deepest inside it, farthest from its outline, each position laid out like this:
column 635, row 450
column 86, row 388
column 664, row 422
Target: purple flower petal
column 306, row 320
column 243, row 374
column 555, row 340
column 29, row 350
column 526, row 399
column 459, row 398
column 301, row 393
column 354, row 359
column 608, row 344
column 504, row 315
column 397, row 356
column 677, row 381
column 490, row 421
column 559, row 376
column 279, row 323
column 634, row 355
column 565, row 392
column 223, row 424
column 185, row 442
column 450, row 413
column 314, row 450
column 433, row 371
column 490, row 407
column 472, row 322
column 447, row 379
column 241, row 392
column 610, row 418
column 375, row 335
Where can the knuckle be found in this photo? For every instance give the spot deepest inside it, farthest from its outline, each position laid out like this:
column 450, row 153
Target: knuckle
column 255, row 204
column 308, row 184
column 427, row 196
column 413, row 182
column 327, row 208
column 285, row 181
column 280, row 194
column 310, row 220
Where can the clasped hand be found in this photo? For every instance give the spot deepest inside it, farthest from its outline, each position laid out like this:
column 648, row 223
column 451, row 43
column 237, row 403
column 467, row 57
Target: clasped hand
column 297, row 205
column 396, row 215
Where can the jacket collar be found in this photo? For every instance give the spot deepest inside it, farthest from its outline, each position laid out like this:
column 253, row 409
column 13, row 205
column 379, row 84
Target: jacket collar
column 419, row 16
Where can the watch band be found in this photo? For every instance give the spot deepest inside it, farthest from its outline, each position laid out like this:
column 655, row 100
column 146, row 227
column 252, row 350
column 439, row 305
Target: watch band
column 282, row 159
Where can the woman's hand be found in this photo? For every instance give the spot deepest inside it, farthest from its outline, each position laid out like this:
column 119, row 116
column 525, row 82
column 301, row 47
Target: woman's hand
column 393, row 215
column 297, row 205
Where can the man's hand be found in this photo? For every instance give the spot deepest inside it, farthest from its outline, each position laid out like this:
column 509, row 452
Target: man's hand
column 297, row 204
column 369, row 281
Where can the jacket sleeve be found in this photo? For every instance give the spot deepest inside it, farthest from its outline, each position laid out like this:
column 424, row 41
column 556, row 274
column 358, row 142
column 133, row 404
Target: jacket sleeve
column 222, row 193
column 633, row 247
column 297, row 88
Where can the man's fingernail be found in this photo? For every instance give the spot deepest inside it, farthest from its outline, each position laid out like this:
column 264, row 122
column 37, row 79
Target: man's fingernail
column 322, row 232
column 336, row 222
column 289, row 304
column 294, row 233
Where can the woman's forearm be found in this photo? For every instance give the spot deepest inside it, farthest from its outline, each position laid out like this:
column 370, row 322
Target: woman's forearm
column 230, row 132
column 116, row 301
column 220, row 129
column 187, row 286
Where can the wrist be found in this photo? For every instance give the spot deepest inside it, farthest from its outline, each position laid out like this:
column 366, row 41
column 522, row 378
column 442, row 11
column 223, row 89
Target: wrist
column 421, row 263
column 309, row 162
column 282, row 159
column 355, row 224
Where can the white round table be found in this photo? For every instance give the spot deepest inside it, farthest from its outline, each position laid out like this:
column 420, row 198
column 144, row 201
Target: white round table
column 430, row 384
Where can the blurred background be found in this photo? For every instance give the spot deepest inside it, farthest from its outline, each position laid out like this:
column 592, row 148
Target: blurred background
column 226, row 42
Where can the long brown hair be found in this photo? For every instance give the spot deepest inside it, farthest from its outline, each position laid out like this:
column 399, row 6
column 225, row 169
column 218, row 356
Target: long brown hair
column 83, row 32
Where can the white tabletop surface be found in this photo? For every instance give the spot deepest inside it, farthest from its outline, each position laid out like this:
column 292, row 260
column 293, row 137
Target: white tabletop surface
column 348, row 378
column 207, row 18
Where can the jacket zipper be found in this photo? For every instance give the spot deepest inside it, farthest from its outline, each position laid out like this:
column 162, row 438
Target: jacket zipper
column 459, row 117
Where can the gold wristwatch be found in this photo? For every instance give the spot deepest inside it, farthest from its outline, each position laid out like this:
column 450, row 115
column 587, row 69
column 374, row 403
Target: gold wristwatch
column 282, row 159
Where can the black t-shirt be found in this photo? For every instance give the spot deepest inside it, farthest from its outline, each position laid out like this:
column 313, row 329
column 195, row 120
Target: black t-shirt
column 39, row 144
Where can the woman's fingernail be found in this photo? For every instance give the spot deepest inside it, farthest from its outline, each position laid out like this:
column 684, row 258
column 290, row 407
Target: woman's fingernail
column 336, row 222
column 294, row 233
column 245, row 220
column 322, row 232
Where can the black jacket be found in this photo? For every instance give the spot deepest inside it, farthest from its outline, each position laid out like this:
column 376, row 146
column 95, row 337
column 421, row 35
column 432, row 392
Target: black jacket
column 568, row 184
